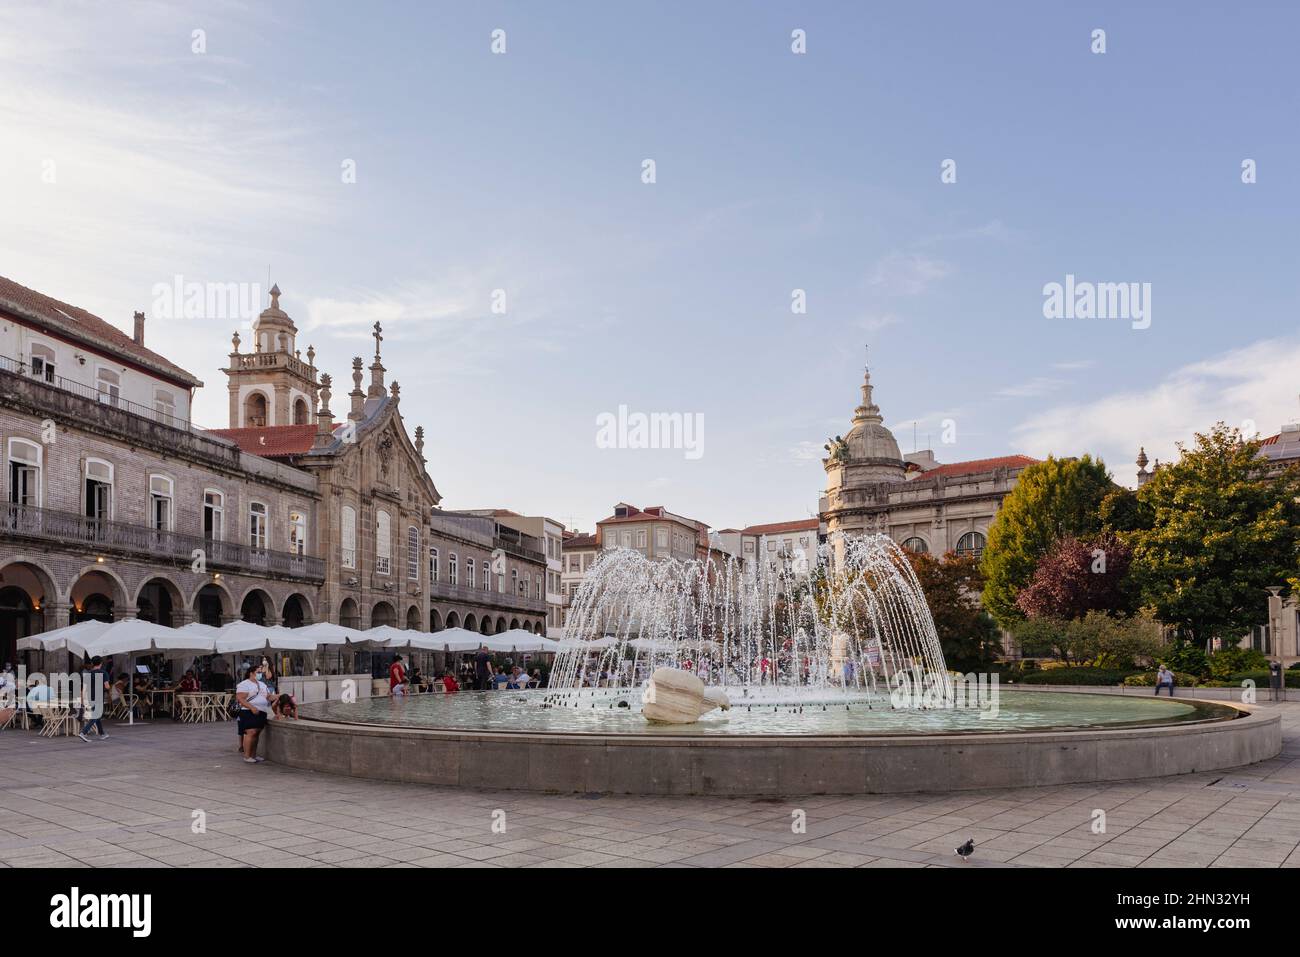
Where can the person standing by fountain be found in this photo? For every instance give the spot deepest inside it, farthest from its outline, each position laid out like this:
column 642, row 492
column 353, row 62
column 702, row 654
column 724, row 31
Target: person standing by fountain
column 482, row 670
column 397, row 678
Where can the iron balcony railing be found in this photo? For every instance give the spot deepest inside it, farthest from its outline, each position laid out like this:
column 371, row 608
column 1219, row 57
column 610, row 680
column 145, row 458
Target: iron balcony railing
column 18, row 367
column 28, row 521
column 485, row 596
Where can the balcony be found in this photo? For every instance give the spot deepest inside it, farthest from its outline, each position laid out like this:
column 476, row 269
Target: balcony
column 75, row 401
column 442, row 591
column 94, row 535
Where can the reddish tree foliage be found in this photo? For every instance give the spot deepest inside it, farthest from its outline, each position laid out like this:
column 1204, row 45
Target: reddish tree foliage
column 1078, row 576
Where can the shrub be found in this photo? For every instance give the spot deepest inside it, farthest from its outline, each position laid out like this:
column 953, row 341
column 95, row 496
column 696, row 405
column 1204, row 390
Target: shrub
column 1147, row 679
column 1187, row 658
column 1078, row 676
column 1232, row 660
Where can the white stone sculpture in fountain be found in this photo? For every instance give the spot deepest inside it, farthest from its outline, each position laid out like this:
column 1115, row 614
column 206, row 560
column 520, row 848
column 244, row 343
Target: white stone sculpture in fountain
column 673, row 696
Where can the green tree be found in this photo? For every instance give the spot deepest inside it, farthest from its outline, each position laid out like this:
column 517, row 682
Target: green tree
column 952, row 586
column 1053, row 499
column 1221, row 531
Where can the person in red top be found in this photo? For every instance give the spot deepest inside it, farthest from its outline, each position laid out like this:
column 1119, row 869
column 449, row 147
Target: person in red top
column 449, row 683
column 397, row 677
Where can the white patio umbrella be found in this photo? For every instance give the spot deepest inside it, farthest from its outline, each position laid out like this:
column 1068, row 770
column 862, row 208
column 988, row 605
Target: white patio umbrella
column 408, row 638
column 516, row 639
column 131, row 636
column 246, row 636
column 458, row 639
column 57, row 640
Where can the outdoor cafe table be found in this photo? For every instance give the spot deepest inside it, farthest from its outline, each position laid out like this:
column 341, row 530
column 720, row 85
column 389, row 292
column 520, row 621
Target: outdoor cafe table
column 205, row 704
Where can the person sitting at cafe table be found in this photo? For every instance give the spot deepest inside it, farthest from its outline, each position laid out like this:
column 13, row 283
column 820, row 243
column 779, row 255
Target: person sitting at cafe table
column 189, row 684
column 449, row 683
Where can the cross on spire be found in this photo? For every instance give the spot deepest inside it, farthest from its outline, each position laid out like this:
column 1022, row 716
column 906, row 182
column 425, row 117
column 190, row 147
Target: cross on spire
column 379, row 337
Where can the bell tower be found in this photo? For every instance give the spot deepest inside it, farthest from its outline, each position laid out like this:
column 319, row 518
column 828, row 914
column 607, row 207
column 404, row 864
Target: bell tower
column 272, row 385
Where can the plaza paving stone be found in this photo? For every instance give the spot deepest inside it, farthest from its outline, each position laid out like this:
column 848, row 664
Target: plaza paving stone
column 130, row 802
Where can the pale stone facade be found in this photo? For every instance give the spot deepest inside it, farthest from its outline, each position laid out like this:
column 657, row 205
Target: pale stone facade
column 920, row 503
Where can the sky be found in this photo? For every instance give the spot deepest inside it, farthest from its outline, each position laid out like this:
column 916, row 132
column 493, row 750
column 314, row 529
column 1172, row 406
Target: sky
column 380, row 162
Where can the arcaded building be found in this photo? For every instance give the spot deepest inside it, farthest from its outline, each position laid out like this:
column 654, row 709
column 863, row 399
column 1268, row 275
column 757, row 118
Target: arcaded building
column 117, row 506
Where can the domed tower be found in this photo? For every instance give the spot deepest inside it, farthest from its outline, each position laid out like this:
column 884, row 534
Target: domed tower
column 272, row 385
column 860, row 469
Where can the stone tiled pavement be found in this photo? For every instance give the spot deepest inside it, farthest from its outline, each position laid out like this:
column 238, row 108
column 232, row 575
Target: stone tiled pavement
column 130, row 801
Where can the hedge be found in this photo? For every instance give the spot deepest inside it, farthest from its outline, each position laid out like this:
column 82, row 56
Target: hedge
column 1079, row 676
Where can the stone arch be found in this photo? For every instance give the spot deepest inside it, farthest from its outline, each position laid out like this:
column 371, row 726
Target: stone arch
column 540, row 628
column 528, row 627
column 300, row 411
column 97, row 592
column 514, row 623
column 435, row 620
column 160, row 600
column 471, row 624
column 486, row 625
column 27, row 592
column 257, row 606
column 349, row 613
column 257, row 409
column 296, row 611
column 413, row 618
column 501, row 625
column 383, row 614
column 212, row 604
column 453, row 620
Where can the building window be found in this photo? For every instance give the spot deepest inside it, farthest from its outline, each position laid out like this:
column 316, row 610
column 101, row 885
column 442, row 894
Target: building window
column 109, row 386
column 257, row 526
column 99, row 490
column 412, row 553
column 972, row 543
column 538, row 582
column 514, row 581
column 348, row 536
column 469, row 573
column 297, row 533
column 487, row 577
column 640, row 538
column 165, row 405
column 383, row 544
column 160, row 503
column 749, row 547
column 24, row 473
column 43, row 362
column 433, row 565
column 453, row 570
column 916, row 545
column 627, row 539
column 661, row 538
column 213, row 514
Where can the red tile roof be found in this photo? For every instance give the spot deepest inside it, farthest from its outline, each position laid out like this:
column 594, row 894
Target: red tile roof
column 76, row 321
column 979, row 465
column 1271, row 440
column 577, row 542
column 272, row 441
column 776, row 528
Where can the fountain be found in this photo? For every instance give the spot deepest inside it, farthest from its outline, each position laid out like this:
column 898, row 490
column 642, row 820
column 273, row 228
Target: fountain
column 838, row 625
column 813, row 661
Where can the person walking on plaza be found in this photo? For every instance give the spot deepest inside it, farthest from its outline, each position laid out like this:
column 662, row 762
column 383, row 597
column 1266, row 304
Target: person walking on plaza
column 397, row 678
column 95, row 687
column 1164, row 679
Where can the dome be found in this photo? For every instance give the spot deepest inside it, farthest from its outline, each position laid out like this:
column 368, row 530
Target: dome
column 869, row 442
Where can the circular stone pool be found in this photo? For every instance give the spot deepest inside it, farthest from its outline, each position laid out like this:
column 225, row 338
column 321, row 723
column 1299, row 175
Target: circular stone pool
column 508, row 740
column 599, row 712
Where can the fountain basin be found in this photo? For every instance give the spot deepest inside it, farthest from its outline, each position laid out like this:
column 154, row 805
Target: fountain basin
column 416, row 741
